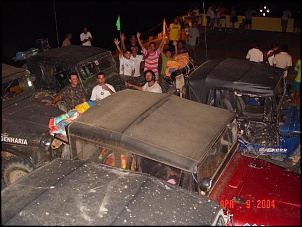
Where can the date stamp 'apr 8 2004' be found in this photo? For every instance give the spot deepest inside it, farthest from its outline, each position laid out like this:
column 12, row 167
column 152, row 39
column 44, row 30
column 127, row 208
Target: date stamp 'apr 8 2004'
column 258, row 204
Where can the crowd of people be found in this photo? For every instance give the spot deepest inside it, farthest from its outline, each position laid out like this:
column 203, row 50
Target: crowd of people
column 183, row 37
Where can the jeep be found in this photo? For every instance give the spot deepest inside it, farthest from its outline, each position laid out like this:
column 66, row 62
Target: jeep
column 25, row 134
column 256, row 92
column 188, row 144
column 77, row 192
column 51, row 69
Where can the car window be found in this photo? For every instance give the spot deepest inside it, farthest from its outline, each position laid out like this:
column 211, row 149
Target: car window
column 95, row 66
column 210, row 165
column 48, row 74
column 62, row 76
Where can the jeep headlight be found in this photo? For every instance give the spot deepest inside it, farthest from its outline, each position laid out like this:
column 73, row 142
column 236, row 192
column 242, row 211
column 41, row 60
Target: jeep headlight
column 45, row 144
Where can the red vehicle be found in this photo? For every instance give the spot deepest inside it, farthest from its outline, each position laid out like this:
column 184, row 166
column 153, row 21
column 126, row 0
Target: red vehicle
column 253, row 186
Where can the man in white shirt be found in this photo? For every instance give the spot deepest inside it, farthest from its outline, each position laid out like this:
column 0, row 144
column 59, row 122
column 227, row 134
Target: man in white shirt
column 255, row 54
column 283, row 60
column 126, row 64
column 102, row 90
column 151, row 85
column 137, row 59
column 86, row 37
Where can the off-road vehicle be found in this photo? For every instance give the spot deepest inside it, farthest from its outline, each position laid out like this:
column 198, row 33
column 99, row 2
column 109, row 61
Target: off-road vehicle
column 25, row 134
column 52, row 67
column 76, row 192
column 257, row 93
column 192, row 145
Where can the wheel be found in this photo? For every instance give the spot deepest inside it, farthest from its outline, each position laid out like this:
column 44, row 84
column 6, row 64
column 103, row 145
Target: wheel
column 14, row 169
column 227, row 105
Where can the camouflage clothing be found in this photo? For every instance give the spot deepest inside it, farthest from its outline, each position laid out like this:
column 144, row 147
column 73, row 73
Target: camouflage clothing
column 72, row 96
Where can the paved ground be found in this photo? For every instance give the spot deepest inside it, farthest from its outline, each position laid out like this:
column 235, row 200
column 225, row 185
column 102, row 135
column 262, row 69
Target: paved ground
column 216, row 44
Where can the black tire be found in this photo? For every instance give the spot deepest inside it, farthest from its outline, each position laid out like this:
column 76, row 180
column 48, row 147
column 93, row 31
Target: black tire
column 227, row 105
column 14, row 169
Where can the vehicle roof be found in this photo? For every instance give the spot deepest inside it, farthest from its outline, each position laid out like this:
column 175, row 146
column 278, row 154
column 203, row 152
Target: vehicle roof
column 76, row 192
column 240, row 75
column 68, row 55
column 9, row 70
column 159, row 126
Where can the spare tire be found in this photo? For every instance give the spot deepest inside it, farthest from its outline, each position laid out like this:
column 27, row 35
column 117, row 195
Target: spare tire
column 14, row 169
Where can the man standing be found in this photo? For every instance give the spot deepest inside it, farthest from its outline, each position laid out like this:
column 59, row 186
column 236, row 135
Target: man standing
column 174, row 32
column 126, row 64
column 151, row 85
column 193, row 40
column 151, row 55
column 86, row 37
column 66, row 41
column 102, row 90
column 72, row 95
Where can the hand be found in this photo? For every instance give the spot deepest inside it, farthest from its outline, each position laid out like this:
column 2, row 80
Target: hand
column 128, row 84
column 123, row 37
column 116, row 42
column 138, row 35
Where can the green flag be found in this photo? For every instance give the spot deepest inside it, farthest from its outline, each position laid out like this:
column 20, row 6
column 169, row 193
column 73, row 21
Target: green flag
column 118, row 23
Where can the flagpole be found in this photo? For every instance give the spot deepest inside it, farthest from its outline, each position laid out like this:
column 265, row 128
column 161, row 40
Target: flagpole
column 118, row 27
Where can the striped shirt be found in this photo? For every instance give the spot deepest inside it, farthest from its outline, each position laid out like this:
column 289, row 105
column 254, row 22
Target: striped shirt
column 151, row 62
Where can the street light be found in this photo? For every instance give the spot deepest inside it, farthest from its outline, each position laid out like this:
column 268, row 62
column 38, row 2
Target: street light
column 264, row 11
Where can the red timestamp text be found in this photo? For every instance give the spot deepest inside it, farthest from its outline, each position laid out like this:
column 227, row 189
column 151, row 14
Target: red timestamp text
column 256, row 204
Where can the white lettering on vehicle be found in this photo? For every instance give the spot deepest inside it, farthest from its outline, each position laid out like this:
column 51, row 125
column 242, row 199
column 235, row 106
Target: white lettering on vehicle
column 5, row 138
column 280, row 150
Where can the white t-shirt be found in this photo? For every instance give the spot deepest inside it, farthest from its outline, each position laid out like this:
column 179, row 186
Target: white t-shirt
column 85, row 36
column 154, row 88
column 255, row 55
column 282, row 60
column 193, row 34
column 137, row 64
column 99, row 93
column 271, row 58
column 126, row 66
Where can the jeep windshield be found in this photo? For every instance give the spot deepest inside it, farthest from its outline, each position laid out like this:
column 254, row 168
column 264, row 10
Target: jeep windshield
column 95, row 66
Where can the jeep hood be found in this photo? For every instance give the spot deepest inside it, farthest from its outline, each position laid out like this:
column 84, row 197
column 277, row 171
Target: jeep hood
column 271, row 193
column 74, row 192
column 28, row 116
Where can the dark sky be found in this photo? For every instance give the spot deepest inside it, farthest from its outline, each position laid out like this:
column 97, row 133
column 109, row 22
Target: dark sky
column 23, row 23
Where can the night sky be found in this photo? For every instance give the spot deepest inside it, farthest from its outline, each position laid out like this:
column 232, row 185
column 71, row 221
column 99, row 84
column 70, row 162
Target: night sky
column 23, row 23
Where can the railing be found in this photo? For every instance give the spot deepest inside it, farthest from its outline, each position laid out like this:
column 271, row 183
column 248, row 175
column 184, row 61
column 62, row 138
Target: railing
column 258, row 23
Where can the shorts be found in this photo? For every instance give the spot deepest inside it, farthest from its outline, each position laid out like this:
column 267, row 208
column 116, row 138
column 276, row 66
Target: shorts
column 212, row 20
column 296, row 85
column 248, row 21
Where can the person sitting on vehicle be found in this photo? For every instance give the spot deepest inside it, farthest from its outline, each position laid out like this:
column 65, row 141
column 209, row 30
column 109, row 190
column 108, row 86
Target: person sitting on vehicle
column 72, row 95
column 102, row 90
column 151, row 85
column 180, row 60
